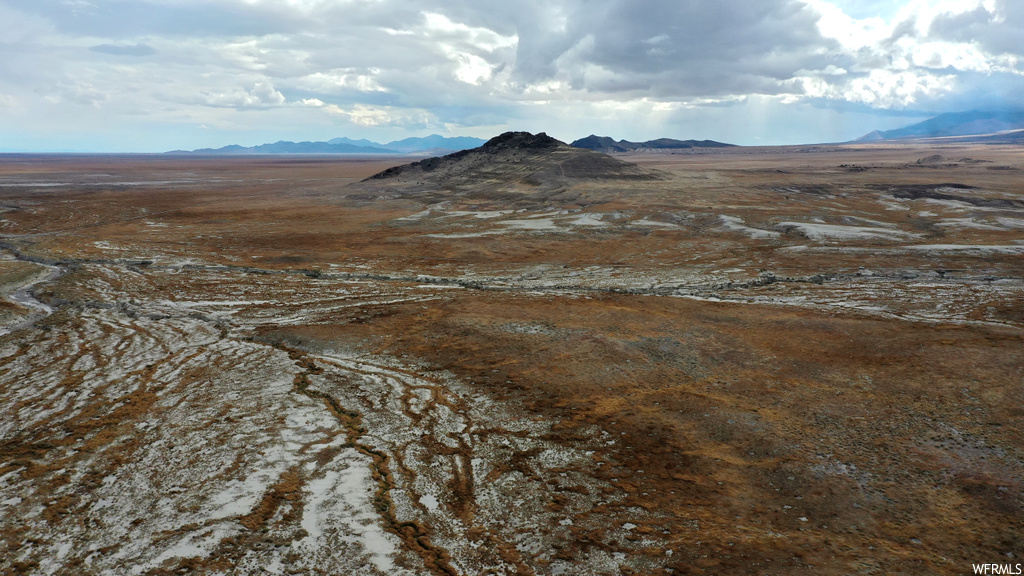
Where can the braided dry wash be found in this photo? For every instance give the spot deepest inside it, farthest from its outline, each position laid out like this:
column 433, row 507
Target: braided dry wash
column 175, row 423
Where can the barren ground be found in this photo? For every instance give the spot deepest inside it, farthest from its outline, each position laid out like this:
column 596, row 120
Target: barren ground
column 764, row 361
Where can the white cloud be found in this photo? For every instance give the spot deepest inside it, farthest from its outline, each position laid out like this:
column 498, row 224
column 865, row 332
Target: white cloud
column 472, row 69
column 342, row 80
column 378, row 116
column 924, row 12
column 439, row 27
column 262, row 95
column 896, row 62
column 475, row 52
column 888, row 89
column 851, row 33
column 950, row 55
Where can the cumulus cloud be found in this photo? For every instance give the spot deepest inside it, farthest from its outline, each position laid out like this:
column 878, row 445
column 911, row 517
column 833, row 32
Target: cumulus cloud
column 262, row 95
column 378, row 116
column 340, row 81
column 922, row 54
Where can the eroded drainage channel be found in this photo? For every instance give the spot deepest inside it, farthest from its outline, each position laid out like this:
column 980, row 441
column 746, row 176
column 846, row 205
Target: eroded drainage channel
column 23, row 296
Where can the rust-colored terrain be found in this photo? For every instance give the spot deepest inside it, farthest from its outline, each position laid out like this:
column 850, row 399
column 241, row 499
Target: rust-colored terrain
column 528, row 359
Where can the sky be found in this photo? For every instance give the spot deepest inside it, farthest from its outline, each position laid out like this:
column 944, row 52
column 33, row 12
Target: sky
column 157, row 75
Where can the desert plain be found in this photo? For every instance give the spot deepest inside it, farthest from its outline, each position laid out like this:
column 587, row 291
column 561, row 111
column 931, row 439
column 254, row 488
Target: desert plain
column 529, row 359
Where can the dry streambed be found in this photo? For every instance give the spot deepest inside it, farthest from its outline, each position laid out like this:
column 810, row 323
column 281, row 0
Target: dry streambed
column 17, row 279
column 151, row 425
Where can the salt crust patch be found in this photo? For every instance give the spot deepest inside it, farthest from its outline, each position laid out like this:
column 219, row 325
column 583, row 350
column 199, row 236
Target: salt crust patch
column 955, row 205
column 339, row 513
column 736, row 224
column 1000, row 249
column 820, row 232
column 968, row 223
column 416, row 216
column 104, row 245
column 387, row 394
column 868, row 221
column 544, row 222
column 466, row 234
column 893, row 204
column 535, row 223
column 1011, row 222
column 430, row 501
column 194, row 474
column 483, row 215
column 587, row 220
column 551, row 221
column 196, row 545
column 653, row 223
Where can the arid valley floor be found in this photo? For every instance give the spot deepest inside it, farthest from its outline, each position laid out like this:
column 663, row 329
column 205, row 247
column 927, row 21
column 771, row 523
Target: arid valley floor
column 799, row 360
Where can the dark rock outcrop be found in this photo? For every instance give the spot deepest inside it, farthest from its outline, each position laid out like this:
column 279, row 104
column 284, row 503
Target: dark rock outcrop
column 518, row 158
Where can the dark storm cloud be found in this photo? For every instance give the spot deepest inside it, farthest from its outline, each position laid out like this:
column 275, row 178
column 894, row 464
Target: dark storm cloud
column 657, row 36
column 676, row 47
column 1000, row 30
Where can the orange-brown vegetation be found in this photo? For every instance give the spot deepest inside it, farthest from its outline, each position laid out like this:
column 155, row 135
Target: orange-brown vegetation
column 746, row 360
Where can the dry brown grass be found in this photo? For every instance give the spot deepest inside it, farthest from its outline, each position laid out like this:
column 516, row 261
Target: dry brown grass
column 764, row 434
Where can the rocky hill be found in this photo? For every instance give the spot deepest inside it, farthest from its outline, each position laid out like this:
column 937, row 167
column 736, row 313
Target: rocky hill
column 515, row 158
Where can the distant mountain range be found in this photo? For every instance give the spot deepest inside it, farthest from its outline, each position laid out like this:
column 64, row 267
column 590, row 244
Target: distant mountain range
column 606, row 144
column 438, row 145
column 975, row 124
column 432, row 144
column 434, row 141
